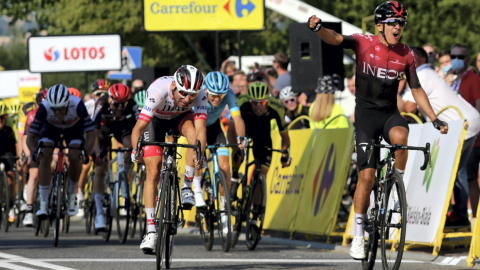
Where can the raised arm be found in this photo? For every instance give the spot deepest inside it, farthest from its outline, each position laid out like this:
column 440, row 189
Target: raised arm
column 329, row 36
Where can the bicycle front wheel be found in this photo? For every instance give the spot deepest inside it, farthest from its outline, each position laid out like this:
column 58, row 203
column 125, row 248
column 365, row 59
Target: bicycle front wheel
column 19, row 197
column 88, row 204
column 142, row 217
column 133, row 207
column 160, row 218
column 58, row 208
column 108, row 219
column 222, row 211
column 394, row 223
column 204, row 215
column 255, row 213
column 4, row 201
column 237, row 211
column 123, row 207
column 172, row 228
column 370, row 227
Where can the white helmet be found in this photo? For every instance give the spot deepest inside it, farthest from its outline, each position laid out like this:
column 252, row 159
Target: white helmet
column 189, row 79
column 287, row 92
column 58, row 96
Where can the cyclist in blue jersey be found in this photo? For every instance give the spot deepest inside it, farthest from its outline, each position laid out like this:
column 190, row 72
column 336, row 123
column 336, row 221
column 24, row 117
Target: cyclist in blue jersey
column 219, row 95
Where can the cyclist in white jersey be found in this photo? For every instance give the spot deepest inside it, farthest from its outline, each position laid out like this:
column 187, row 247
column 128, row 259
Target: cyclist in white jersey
column 99, row 88
column 168, row 107
column 60, row 114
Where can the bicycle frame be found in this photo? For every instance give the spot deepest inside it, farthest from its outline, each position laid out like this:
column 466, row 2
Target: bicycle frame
column 216, row 165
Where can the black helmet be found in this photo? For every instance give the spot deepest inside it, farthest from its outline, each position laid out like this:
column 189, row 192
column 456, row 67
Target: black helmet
column 390, row 9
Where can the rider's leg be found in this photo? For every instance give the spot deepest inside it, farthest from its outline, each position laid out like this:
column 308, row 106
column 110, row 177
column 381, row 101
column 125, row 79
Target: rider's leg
column 45, row 172
column 99, row 184
column 83, row 180
column 361, row 199
column 74, row 169
column 188, row 130
column 150, row 190
column 399, row 135
column 31, row 186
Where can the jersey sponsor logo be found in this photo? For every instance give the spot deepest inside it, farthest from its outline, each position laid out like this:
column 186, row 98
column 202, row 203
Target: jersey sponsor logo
column 152, row 100
column 144, row 117
column 148, row 109
column 165, row 96
column 397, row 62
column 201, row 108
column 377, row 48
column 146, row 137
column 326, row 175
column 377, row 57
column 200, row 116
column 204, row 98
column 382, row 72
column 54, row 120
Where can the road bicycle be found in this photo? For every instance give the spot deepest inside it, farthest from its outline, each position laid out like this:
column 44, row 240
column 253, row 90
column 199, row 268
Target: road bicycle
column 5, row 200
column 217, row 203
column 138, row 206
column 168, row 216
column 386, row 218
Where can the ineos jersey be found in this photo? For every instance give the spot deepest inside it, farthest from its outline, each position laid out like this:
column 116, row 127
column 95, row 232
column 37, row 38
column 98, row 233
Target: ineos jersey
column 159, row 102
column 379, row 70
column 103, row 115
column 76, row 112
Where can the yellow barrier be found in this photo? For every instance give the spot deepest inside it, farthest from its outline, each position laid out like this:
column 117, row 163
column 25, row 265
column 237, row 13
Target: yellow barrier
column 413, row 116
column 451, row 107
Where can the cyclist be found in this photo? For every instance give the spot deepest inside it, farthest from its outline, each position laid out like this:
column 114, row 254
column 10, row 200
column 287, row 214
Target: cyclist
column 114, row 114
column 219, row 95
column 32, row 166
column 8, row 148
column 381, row 63
column 293, row 109
column 74, row 92
column 258, row 108
column 168, row 107
column 99, row 88
column 140, row 98
column 60, row 114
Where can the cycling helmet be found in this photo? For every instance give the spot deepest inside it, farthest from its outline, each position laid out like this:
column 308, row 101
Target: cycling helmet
column 100, row 84
column 217, row 82
column 41, row 95
column 258, row 91
column 255, row 75
column 58, row 96
column 74, row 92
column 16, row 108
column 287, row 92
column 119, row 92
column 4, row 108
column 189, row 79
column 140, row 98
column 390, row 9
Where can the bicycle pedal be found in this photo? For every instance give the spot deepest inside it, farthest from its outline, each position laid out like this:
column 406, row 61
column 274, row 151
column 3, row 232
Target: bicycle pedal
column 149, row 252
column 181, row 223
column 187, row 207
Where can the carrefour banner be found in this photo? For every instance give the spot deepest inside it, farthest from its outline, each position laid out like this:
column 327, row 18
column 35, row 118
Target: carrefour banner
column 429, row 191
column 203, row 15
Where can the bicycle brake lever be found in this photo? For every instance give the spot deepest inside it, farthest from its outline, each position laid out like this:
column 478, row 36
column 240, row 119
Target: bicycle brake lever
column 427, row 157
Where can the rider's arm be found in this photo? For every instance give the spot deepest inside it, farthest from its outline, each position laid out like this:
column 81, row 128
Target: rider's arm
column 201, row 130
column 88, row 127
column 235, row 113
column 329, row 36
column 285, row 139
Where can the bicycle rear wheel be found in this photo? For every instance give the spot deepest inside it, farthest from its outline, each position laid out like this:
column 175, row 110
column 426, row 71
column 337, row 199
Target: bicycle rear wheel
column 172, row 227
column 370, row 229
column 133, row 207
column 4, row 201
column 222, row 206
column 19, row 196
column 204, row 215
column 394, row 223
column 142, row 217
column 255, row 214
column 238, row 214
column 123, row 207
column 160, row 218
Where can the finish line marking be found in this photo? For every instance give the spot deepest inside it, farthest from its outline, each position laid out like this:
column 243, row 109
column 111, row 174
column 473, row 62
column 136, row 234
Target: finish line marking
column 39, row 263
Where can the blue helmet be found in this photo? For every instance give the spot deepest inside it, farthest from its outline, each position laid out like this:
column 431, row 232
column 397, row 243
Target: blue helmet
column 217, row 82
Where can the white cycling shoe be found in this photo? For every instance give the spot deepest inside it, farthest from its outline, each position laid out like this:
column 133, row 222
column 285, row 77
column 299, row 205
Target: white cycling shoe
column 149, row 242
column 199, row 201
column 225, row 224
column 357, row 251
column 28, row 220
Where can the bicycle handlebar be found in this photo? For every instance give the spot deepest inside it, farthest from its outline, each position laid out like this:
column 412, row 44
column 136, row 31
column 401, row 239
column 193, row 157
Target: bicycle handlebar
column 277, row 150
column 218, row 145
column 82, row 156
column 395, row 147
column 10, row 157
column 197, row 147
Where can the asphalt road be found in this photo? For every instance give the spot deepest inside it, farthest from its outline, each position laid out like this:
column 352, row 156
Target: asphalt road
column 20, row 249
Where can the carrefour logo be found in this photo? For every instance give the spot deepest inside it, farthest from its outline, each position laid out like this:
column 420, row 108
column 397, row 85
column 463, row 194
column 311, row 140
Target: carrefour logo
column 51, row 54
column 240, row 7
column 232, row 7
column 325, row 175
column 434, row 150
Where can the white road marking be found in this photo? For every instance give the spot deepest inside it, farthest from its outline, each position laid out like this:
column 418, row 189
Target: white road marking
column 450, row 261
column 35, row 262
column 5, row 265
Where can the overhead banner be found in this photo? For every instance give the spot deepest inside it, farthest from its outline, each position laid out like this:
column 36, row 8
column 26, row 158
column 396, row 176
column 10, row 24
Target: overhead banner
column 203, row 15
column 74, row 53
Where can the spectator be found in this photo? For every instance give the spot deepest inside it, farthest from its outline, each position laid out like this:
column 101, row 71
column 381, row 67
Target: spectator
column 445, row 63
column 293, row 109
column 237, row 77
column 137, row 85
column 242, row 86
column 432, row 56
column 228, row 68
column 280, row 65
column 478, row 61
column 87, row 97
column 467, row 84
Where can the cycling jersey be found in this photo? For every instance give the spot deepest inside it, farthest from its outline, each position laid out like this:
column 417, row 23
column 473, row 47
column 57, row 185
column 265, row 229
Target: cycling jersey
column 7, row 137
column 30, row 118
column 90, row 105
column 103, row 115
column 214, row 112
column 22, row 121
column 76, row 114
column 379, row 70
column 160, row 103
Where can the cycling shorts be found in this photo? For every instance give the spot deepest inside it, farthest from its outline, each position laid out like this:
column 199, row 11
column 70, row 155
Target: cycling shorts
column 157, row 129
column 72, row 135
column 373, row 124
column 119, row 130
column 215, row 135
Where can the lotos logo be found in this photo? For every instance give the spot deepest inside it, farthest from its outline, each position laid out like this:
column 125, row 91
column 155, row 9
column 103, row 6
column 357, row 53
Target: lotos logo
column 240, row 7
column 427, row 179
column 328, row 174
column 51, row 55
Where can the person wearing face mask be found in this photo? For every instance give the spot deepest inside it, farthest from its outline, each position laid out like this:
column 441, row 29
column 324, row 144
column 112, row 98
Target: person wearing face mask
column 445, row 62
column 432, row 56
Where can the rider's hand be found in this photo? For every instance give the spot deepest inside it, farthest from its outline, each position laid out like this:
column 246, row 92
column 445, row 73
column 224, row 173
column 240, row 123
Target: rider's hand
column 199, row 163
column 314, row 23
column 134, row 156
column 440, row 125
column 19, row 163
column 285, row 163
column 242, row 143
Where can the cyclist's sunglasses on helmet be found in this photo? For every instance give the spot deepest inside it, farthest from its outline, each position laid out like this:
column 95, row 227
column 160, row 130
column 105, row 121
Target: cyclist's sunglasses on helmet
column 117, row 104
column 457, row 56
column 395, row 21
column 99, row 93
column 215, row 95
column 184, row 94
column 290, row 100
column 256, row 103
column 59, row 108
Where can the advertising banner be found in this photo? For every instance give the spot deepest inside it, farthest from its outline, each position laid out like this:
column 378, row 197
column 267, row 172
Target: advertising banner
column 74, row 53
column 203, row 15
column 19, row 83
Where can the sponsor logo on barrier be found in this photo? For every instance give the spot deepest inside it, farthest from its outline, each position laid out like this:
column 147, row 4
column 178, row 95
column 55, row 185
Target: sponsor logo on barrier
column 327, row 172
column 434, row 150
column 286, row 183
column 419, row 215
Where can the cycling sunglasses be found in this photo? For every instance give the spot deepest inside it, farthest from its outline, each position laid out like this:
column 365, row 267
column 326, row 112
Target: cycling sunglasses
column 257, row 103
column 59, row 108
column 215, row 95
column 291, row 100
column 457, row 56
column 117, row 104
column 184, row 94
column 394, row 22
column 99, row 93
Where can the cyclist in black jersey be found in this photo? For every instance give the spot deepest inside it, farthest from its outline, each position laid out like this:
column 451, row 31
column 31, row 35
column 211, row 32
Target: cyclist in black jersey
column 382, row 61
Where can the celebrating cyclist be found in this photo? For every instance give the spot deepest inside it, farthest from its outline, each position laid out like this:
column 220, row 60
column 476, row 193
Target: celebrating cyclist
column 114, row 114
column 219, row 95
column 382, row 61
column 60, row 114
column 258, row 108
column 169, row 107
